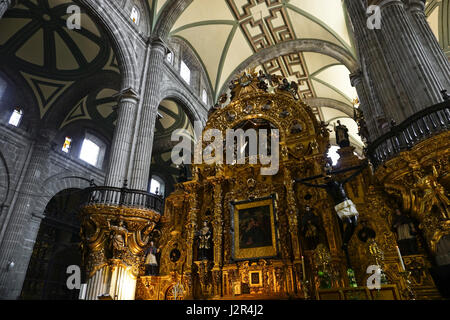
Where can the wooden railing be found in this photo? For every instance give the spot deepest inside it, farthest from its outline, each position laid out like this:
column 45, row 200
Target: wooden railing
column 124, row 197
column 404, row 136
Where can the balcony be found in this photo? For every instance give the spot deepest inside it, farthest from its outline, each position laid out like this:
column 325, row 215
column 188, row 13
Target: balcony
column 124, row 197
column 402, row 137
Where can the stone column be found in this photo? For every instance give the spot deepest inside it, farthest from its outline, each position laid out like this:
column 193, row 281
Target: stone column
column 438, row 59
column 18, row 242
column 144, row 143
column 384, row 88
column 409, row 57
column 5, row 5
column 366, row 105
column 123, row 137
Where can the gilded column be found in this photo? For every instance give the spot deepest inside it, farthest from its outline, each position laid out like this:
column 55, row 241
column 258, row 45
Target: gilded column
column 144, row 143
column 217, row 237
column 292, row 215
column 5, row 5
column 438, row 59
column 22, row 228
column 123, row 137
column 409, row 57
column 191, row 226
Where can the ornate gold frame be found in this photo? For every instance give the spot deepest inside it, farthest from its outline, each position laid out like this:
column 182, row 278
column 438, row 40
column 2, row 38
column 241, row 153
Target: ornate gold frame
column 259, row 252
column 260, row 281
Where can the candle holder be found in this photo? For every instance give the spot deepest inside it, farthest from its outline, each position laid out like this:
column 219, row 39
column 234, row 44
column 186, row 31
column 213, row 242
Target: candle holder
column 408, row 291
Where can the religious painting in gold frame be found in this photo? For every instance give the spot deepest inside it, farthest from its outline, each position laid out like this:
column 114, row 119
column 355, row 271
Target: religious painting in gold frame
column 254, row 233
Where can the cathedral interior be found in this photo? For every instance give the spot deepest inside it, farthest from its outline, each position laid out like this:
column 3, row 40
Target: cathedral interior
column 339, row 189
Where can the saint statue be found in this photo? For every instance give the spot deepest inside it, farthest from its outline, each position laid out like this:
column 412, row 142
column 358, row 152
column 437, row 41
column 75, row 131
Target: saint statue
column 342, row 138
column 119, row 236
column 406, row 233
column 204, row 236
column 310, row 228
column 151, row 263
column 345, row 208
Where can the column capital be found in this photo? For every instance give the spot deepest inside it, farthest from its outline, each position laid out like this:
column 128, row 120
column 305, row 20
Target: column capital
column 128, row 93
column 158, row 43
column 416, row 6
column 384, row 3
column 356, row 78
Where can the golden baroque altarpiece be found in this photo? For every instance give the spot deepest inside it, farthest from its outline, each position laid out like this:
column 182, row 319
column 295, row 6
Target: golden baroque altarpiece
column 294, row 259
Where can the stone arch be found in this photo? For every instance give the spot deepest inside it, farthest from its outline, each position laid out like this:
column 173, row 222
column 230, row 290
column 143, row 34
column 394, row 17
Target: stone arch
column 188, row 55
column 298, row 45
column 330, row 103
column 182, row 97
column 57, row 183
column 122, row 41
column 170, row 14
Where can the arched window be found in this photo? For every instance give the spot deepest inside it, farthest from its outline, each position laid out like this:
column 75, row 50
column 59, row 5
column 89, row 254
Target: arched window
column 157, row 186
column 135, row 15
column 16, row 117
column 66, row 145
column 204, row 96
column 185, row 72
column 169, row 57
column 93, row 150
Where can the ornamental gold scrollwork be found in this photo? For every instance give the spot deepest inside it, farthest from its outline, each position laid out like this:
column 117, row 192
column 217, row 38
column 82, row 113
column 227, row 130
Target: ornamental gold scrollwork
column 112, row 236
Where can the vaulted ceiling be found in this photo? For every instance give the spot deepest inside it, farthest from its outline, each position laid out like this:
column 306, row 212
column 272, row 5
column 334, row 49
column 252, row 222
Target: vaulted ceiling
column 75, row 70
column 225, row 34
column 438, row 12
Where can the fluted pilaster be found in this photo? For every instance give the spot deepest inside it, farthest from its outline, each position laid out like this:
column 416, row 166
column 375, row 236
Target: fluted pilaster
column 144, row 143
column 123, row 138
column 409, row 57
column 17, row 243
column 434, row 51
